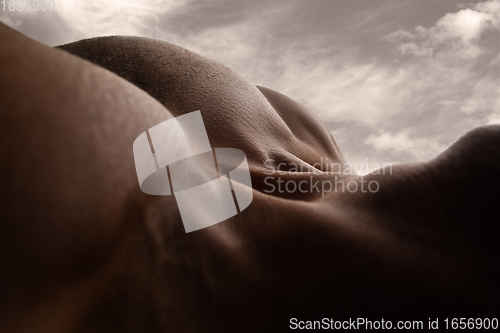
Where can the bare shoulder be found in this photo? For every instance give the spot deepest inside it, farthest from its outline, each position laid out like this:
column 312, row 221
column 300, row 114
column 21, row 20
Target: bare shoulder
column 478, row 148
column 67, row 132
column 237, row 113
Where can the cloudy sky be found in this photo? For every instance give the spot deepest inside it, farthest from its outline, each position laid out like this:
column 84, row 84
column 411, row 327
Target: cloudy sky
column 394, row 81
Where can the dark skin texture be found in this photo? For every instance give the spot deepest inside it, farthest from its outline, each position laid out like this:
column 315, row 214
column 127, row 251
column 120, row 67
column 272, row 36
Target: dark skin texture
column 84, row 250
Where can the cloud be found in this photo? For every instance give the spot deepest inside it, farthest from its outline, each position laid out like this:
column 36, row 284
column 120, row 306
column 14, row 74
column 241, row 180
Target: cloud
column 10, row 21
column 401, row 144
column 74, row 19
column 107, row 17
column 344, row 90
column 455, row 33
column 493, row 118
column 447, row 86
column 371, row 70
column 485, row 97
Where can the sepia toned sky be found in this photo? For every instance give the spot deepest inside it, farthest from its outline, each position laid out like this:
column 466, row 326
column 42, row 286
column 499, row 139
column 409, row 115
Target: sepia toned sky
column 394, row 81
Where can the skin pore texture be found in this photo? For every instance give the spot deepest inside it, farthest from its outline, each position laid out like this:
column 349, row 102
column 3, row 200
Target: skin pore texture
column 84, row 250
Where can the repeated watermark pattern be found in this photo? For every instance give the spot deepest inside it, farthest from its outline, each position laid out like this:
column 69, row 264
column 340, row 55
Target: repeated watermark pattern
column 338, row 182
column 28, row 5
column 213, row 185
column 210, row 185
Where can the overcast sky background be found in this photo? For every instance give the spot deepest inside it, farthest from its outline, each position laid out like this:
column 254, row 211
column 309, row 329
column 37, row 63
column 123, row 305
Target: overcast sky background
column 394, row 81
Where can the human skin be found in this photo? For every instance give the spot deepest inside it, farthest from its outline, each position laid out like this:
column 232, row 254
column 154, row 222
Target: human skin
column 84, row 250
